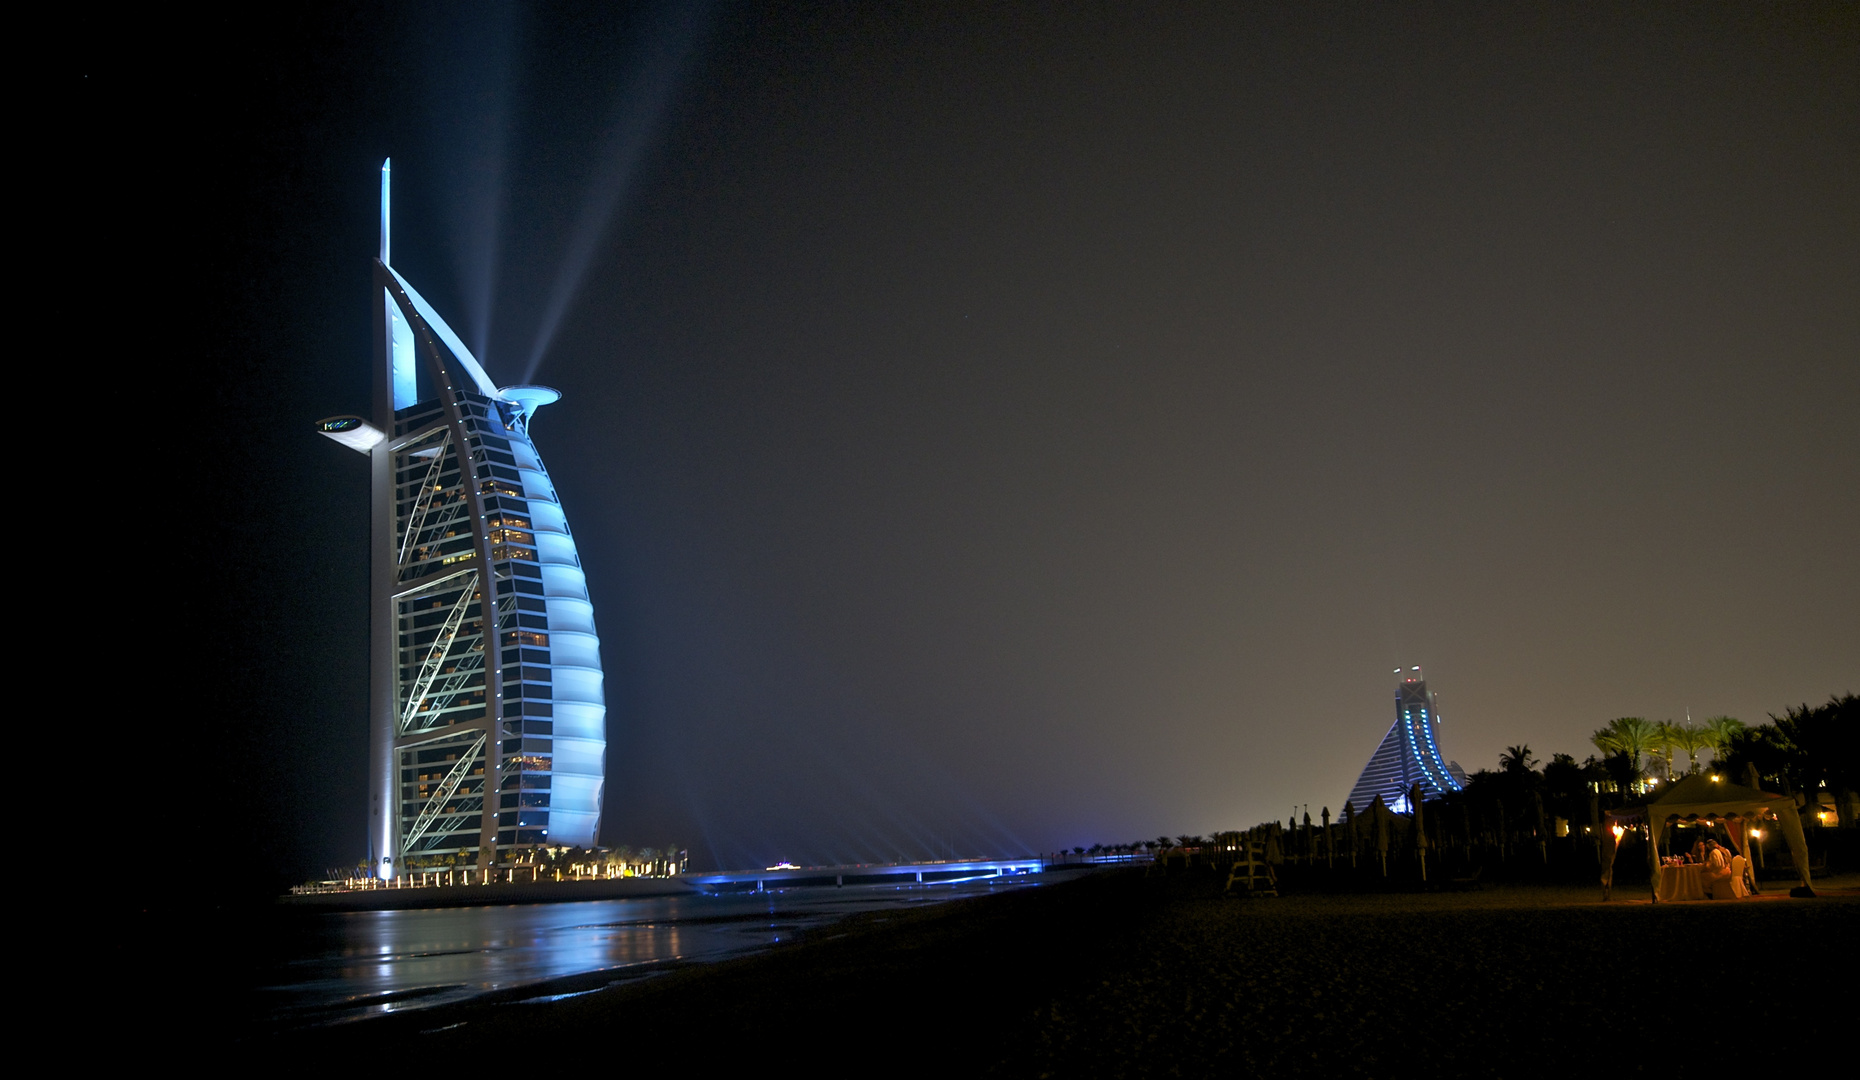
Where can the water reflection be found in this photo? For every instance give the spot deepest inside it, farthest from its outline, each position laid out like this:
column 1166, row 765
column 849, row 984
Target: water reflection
column 354, row 964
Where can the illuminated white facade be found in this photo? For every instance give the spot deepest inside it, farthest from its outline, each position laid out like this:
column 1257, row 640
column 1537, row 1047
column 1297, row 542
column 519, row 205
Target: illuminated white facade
column 488, row 724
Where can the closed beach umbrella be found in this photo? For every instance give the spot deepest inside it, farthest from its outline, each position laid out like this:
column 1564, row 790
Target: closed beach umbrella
column 1420, row 829
column 1381, row 815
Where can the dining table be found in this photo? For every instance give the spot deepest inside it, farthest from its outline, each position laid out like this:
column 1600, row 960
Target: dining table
column 1685, row 881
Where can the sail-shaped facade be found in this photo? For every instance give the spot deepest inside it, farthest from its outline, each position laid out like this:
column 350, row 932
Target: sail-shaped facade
column 488, row 724
column 1408, row 755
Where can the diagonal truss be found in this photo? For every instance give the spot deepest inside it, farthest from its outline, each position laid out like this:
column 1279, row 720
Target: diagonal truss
column 423, row 505
column 430, row 812
column 433, row 529
column 436, row 654
column 447, row 688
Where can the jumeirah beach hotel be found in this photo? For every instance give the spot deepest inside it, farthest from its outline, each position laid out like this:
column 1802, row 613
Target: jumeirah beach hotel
column 488, row 725
column 1408, row 755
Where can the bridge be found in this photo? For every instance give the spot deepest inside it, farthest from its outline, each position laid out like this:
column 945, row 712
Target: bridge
column 893, row 874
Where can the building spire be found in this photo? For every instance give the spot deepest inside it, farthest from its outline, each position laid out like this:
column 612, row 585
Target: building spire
column 387, row 173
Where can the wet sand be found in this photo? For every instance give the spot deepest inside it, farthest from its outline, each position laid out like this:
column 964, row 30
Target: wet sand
column 1122, row 974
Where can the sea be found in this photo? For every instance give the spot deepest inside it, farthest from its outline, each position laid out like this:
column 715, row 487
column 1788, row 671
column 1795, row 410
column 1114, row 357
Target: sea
column 288, row 970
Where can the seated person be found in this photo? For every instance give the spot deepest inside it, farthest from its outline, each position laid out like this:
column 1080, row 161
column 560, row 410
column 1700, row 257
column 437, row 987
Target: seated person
column 1717, row 864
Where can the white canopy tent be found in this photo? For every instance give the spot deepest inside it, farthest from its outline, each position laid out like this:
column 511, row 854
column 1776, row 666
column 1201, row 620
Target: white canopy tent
column 1702, row 797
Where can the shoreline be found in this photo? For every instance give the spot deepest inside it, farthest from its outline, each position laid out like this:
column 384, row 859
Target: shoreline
column 494, row 894
column 1120, row 972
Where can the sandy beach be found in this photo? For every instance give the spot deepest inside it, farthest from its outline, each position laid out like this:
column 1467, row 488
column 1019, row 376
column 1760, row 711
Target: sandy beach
column 1121, row 974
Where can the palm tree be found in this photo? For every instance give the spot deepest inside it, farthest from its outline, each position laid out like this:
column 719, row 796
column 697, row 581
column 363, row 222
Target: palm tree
column 1516, row 759
column 1630, row 736
column 1691, row 738
column 1665, row 737
column 1718, row 732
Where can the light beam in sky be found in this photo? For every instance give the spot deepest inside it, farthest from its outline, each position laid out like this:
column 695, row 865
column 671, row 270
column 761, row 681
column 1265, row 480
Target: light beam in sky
column 666, row 46
column 476, row 91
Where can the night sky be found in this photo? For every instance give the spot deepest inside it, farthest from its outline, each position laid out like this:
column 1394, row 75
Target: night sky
column 990, row 428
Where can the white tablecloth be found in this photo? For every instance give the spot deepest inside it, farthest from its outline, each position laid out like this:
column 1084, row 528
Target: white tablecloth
column 1685, row 882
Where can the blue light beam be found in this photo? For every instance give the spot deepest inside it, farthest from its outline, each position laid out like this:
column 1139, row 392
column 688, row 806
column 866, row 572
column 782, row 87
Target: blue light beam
column 470, row 97
column 636, row 115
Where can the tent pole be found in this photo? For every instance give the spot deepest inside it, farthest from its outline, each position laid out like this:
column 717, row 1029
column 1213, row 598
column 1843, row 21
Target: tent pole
column 1653, row 860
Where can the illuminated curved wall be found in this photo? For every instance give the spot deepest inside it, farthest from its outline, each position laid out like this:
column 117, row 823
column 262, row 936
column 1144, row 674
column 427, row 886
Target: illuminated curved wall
column 1409, row 754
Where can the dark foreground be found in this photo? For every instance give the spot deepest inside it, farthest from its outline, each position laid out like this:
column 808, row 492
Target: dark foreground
column 1120, row 974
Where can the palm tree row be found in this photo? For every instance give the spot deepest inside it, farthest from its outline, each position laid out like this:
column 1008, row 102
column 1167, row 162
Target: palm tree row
column 1633, row 737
